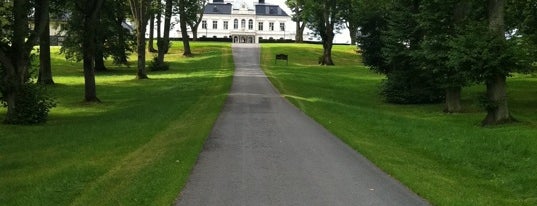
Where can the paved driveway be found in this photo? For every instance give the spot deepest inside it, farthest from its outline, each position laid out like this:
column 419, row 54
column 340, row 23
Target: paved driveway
column 264, row 151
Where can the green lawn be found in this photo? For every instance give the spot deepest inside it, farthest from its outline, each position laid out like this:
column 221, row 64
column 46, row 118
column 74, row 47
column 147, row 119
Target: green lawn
column 447, row 159
column 136, row 148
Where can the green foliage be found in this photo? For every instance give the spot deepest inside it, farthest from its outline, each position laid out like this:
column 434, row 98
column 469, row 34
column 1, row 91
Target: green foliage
column 6, row 18
column 447, row 43
column 116, row 40
column 32, row 106
column 408, row 81
column 402, row 88
column 154, row 65
column 373, row 24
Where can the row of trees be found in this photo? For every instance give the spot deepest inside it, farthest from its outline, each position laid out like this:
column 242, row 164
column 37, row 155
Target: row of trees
column 431, row 49
column 96, row 30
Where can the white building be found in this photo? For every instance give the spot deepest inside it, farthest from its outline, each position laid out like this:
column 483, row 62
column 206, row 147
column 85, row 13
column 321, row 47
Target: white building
column 245, row 21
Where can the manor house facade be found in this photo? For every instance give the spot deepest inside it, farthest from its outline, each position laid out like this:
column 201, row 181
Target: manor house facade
column 244, row 21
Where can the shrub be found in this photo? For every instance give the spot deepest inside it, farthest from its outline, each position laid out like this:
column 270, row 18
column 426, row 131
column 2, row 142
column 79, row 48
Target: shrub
column 33, row 105
column 403, row 88
column 156, row 66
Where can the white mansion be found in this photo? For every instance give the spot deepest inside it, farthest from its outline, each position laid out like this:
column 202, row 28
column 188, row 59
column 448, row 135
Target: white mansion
column 244, row 22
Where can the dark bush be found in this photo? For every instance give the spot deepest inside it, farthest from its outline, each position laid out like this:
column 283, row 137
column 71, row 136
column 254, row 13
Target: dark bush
column 33, row 105
column 402, row 88
column 155, row 66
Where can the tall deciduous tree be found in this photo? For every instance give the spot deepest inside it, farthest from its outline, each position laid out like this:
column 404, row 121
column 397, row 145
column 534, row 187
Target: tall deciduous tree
column 139, row 9
column 498, row 110
column 187, row 11
column 45, row 69
column 197, row 8
column 90, row 11
column 23, row 102
column 351, row 17
column 164, row 43
column 297, row 6
column 323, row 17
column 434, row 55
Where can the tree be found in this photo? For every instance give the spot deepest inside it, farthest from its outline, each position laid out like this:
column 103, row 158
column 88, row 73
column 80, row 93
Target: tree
column 350, row 14
column 112, row 38
column 297, row 6
column 139, row 9
column 187, row 11
column 151, row 34
column 196, row 10
column 497, row 110
column 25, row 103
column 373, row 22
column 89, row 9
column 435, row 55
column 323, row 17
column 45, row 69
column 164, row 44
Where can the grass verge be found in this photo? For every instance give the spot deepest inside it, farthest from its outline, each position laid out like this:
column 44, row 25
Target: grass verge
column 136, row 148
column 447, row 159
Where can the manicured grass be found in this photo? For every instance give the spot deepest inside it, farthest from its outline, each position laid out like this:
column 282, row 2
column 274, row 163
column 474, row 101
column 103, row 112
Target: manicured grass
column 447, row 159
column 136, row 148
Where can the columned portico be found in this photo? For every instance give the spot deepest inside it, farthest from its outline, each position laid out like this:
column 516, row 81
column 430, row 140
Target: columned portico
column 244, row 38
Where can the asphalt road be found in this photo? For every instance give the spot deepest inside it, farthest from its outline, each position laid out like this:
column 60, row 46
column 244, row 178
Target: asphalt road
column 264, row 151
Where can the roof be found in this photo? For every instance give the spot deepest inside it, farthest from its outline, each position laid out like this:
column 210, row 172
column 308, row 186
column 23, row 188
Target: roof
column 260, row 9
column 269, row 10
column 218, row 8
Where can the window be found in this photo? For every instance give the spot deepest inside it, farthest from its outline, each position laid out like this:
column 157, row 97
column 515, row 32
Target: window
column 250, row 24
column 215, row 24
column 271, row 26
column 203, row 24
column 282, row 26
column 226, row 26
column 235, row 24
column 260, row 27
column 243, row 24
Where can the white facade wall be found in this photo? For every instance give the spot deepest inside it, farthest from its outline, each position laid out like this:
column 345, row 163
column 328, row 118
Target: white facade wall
column 245, row 15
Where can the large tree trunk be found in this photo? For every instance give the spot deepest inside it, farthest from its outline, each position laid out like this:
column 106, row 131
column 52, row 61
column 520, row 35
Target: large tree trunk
column 497, row 109
column 327, row 51
column 99, row 46
column 194, row 28
column 45, row 69
column 165, row 44
column 139, row 12
column 184, row 34
column 327, row 34
column 159, row 28
column 17, row 59
column 92, row 9
column 151, row 34
column 99, row 57
column 453, row 100
column 299, row 36
column 353, row 30
column 140, row 48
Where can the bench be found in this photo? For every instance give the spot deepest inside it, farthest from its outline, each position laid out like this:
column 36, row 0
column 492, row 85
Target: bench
column 282, row 57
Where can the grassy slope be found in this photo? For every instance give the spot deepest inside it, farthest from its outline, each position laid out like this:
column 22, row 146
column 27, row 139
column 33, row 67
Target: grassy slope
column 136, row 148
column 447, row 159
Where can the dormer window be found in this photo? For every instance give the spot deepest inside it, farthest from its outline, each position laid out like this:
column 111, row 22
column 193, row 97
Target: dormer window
column 215, row 9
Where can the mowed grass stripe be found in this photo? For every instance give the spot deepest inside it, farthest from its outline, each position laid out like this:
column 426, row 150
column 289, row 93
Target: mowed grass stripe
column 136, row 148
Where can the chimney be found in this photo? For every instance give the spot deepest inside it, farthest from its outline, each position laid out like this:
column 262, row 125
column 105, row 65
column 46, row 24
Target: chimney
column 261, row 1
